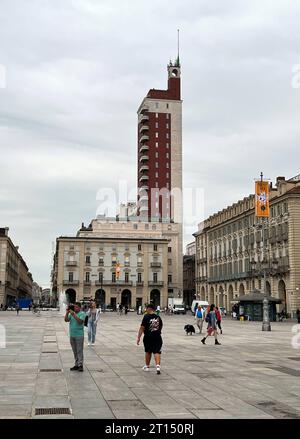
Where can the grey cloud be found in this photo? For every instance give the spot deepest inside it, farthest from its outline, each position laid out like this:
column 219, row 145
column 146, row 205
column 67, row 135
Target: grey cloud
column 76, row 73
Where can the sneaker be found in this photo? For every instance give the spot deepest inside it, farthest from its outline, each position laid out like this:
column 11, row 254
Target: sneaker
column 158, row 369
column 74, row 368
column 93, row 344
column 216, row 342
column 89, row 344
column 203, row 340
column 146, row 368
column 80, row 369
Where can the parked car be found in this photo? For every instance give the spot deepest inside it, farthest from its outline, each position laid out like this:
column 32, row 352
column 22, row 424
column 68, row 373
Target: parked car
column 179, row 309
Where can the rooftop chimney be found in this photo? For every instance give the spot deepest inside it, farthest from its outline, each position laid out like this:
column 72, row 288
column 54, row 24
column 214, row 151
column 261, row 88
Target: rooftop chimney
column 4, row 231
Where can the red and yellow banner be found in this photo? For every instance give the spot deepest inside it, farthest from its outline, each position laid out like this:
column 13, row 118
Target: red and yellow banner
column 118, row 270
column 262, row 206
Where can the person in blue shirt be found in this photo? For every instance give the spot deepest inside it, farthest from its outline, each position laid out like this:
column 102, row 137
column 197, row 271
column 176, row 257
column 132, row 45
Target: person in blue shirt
column 75, row 317
column 199, row 314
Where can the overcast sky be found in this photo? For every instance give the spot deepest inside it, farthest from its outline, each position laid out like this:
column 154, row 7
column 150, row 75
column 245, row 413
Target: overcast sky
column 76, row 72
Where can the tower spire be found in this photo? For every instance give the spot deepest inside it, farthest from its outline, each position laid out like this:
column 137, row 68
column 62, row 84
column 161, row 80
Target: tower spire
column 177, row 62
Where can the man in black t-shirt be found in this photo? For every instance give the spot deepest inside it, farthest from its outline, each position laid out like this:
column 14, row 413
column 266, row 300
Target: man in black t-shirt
column 151, row 327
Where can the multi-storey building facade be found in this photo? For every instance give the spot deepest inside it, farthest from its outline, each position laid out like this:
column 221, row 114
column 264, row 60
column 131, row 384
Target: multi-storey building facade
column 15, row 279
column 189, row 290
column 230, row 240
column 159, row 154
column 147, row 254
column 36, row 293
column 160, row 151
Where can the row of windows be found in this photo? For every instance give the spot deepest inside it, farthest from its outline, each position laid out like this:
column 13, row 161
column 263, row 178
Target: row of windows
column 157, row 164
column 114, row 279
column 279, row 209
column 167, row 175
column 127, row 260
column 167, row 155
column 276, row 210
column 156, row 125
column 167, row 145
column 167, row 135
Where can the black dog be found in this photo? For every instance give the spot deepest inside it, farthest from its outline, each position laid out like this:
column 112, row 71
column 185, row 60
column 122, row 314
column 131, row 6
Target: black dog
column 189, row 329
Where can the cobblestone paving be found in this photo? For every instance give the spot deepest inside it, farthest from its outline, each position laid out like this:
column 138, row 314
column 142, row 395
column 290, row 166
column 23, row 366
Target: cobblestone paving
column 253, row 374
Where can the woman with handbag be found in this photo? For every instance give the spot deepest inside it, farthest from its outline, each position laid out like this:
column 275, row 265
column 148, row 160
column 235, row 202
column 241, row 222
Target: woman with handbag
column 211, row 319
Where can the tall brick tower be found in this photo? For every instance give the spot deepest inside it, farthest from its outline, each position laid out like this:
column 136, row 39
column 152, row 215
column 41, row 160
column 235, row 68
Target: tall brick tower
column 160, row 151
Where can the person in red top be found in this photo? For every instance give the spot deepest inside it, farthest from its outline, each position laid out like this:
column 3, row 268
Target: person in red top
column 219, row 318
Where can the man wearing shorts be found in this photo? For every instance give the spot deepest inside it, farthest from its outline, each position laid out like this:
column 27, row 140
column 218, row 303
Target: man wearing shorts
column 151, row 327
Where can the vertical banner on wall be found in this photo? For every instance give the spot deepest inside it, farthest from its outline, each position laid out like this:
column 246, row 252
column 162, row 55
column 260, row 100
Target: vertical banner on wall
column 262, row 207
column 118, row 270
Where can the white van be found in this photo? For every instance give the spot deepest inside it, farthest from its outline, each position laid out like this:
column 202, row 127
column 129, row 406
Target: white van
column 203, row 303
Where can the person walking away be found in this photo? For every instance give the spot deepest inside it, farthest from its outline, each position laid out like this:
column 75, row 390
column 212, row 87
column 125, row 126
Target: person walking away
column 298, row 315
column 211, row 319
column 126, row 310
column 93, row 315
column 219, row 318
column 75, row 317
column 17, row 308
column 199, row 318
column 151, row 327
column 158, row 310
column 195, row 308
column 121, row 308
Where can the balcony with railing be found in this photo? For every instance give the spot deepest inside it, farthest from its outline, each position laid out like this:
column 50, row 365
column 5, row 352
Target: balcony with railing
column 144, row 178
column 144, row 158
column 155, row 264
column 143, row 118
column 140, row 284
column 144, row 168
column 87, row 283
column 155, row 283
column 144, row 128
column 71, row 263
column 144, row 109
column 71, row 282
column 144, row 148
column 144, row 188
column 113, row 283
column 144, row 138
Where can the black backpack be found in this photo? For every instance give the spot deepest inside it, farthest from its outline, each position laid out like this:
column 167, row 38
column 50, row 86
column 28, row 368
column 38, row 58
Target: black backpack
column 86, row 320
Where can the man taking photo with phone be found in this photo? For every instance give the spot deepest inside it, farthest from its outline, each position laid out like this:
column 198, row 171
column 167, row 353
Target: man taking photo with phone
column 75, row 317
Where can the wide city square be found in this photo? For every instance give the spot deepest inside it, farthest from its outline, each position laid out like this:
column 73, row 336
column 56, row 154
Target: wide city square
column 252, row 374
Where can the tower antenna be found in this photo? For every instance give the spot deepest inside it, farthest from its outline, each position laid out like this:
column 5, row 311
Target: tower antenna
column 178, row 44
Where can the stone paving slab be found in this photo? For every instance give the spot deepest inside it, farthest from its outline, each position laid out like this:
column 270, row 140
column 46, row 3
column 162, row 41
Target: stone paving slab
column 253, row 374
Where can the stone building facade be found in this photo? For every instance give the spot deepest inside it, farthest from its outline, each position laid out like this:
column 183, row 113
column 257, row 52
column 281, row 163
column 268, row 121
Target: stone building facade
column 228, row 241
column 15, row 279
column 147, row 253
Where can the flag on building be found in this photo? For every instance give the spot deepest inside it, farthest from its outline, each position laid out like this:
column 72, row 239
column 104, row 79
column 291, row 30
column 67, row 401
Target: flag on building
column 262, row 207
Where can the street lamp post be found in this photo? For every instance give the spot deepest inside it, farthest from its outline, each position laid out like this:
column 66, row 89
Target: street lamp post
column 266, row 325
